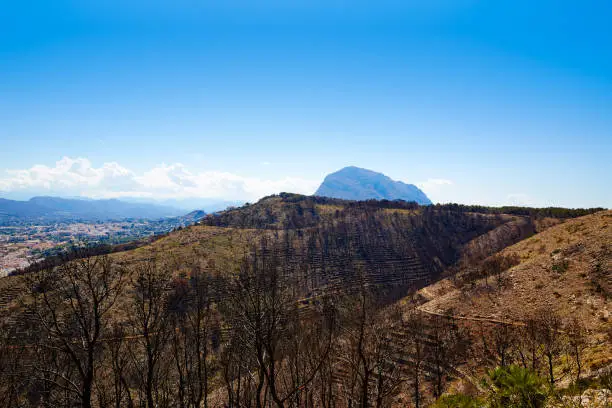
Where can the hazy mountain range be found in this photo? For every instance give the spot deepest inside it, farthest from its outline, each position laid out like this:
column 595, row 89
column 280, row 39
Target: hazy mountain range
column 354, row 183
column 188, row 204
column 62, row 209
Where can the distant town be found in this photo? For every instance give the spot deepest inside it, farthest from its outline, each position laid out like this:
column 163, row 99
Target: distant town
column 22, row 245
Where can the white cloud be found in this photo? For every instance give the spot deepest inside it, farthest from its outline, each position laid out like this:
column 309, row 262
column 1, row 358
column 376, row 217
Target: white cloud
column 79, row 177
column 67, row 174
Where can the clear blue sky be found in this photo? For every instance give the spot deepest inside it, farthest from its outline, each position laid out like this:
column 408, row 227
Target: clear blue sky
column 491, row 102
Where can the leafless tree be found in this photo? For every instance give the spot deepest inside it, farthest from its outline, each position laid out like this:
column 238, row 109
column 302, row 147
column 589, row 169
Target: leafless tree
column 71, row 304
column 551, row 338
column 267, row 325
column 503, row 339
column 16, row 375
column 529, row 344
column 119, row 360
column 447, row 345
column 576, row 342
column 238, row 370
column 371, row 376
column 190, row 306
column 415, row 344
column 151, row 327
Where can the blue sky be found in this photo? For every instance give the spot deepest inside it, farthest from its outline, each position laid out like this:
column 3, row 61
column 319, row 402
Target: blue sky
column 490, row 102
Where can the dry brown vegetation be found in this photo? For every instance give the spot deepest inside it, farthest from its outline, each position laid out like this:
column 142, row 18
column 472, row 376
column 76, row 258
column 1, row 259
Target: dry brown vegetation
column 290, row 302
column 565, row 270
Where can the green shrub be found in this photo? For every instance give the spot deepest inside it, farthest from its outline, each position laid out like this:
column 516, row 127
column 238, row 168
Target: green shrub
column 560, row 266
column 515, row 387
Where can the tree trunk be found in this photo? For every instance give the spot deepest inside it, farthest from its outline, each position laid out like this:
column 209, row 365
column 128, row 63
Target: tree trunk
column 417, row 395
column 550, row 369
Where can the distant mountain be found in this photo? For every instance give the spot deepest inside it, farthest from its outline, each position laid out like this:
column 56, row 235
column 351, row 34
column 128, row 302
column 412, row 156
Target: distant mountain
column 65, row 209
column 193, row 217
column 209, row 205
column 354, row 183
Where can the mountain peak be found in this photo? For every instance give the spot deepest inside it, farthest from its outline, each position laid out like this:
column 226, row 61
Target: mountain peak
column 356, row 183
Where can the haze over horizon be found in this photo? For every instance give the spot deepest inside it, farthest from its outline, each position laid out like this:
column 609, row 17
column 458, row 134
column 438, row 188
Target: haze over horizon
column 473, row 102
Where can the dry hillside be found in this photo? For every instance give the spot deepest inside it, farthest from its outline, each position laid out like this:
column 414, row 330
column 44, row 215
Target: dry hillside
column 567, row 269
column 293, row 298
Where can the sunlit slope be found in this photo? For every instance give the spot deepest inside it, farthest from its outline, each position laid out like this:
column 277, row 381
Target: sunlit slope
column 566, row 269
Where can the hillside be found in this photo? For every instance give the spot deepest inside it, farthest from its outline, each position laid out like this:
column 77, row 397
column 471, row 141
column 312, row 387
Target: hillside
column 292, row 292
column 354, row 183
column 395, row 245
column 566, row 270
column 333, row 243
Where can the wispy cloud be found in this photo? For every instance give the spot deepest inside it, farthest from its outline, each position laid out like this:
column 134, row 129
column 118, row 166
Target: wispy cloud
column 77, row 176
